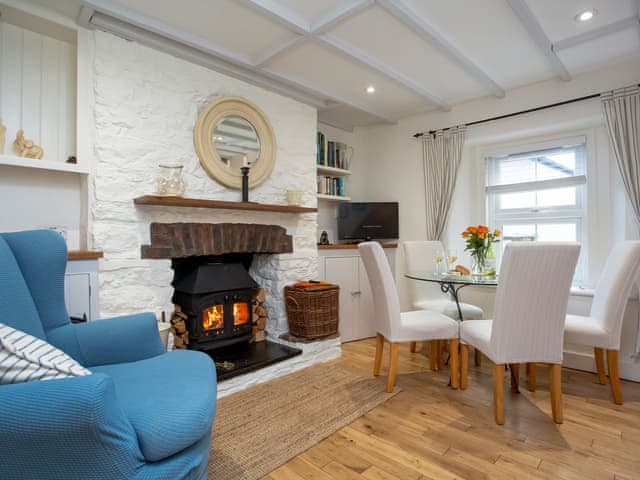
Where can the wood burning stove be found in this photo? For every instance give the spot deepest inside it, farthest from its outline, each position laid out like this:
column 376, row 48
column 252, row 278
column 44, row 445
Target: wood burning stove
column 217, row 299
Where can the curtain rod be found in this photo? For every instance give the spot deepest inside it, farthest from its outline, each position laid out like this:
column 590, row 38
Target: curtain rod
column 500, row 117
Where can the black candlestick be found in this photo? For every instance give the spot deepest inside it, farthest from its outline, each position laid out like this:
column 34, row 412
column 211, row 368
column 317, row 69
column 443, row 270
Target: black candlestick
column 245, row 183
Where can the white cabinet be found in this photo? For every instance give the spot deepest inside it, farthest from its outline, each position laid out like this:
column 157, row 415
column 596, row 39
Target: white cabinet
column 344, row 267
column 81, row 289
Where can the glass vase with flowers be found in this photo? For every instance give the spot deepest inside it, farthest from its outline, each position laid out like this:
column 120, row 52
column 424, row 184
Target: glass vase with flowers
column 479, row 243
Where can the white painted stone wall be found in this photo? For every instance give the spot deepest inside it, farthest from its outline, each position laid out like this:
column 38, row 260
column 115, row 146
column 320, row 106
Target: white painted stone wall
column 146, row 105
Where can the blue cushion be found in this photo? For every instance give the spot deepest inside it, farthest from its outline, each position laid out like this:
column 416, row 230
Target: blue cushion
column 169, row 399
column 17, row 308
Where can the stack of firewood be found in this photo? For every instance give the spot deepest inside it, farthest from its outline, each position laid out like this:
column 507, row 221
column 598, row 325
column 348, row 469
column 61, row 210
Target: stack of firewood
column 179, row 328
column 259, row 316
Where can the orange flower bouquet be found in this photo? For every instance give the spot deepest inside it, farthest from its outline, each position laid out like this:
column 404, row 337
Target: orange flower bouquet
column 479, row 240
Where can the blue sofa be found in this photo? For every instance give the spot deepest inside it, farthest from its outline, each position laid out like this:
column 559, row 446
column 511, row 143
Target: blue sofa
column 143, row 413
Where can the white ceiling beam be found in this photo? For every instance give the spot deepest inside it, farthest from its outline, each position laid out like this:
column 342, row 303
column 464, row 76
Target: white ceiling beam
column 126, row 16
column 596, row 33
column 530, row 22
column 360, row 56
column 343, row 11
column 278, row 50
column 402, row 12
column 134, row 26
column 316, row 90
column 280, row 14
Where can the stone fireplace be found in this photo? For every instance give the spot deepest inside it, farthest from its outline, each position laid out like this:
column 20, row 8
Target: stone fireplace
column 145, row 104
column 213, row 290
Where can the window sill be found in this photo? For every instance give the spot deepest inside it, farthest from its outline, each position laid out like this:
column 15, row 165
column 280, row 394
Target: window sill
column 581, row 292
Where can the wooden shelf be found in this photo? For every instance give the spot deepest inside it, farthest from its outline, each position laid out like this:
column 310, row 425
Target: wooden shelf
column 351, row 246
column 42, row 164
column 334, row 198
column 332, row 171
column 201, row 203
column 84, row 254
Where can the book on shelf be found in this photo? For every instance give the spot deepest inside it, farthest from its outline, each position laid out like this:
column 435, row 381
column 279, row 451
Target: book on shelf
column 321, row 149
column 331, row 185
column 330, row 153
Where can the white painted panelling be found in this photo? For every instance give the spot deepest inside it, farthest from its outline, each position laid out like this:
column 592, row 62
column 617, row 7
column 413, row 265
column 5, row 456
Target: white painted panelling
column 67, row 102
column 50, row 88
column 11, row 83
column 37, row 90
column 31, row 89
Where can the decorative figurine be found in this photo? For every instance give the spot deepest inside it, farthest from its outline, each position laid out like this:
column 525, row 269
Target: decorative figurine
column 3, row 130
column 324, row 238
column 26, row 148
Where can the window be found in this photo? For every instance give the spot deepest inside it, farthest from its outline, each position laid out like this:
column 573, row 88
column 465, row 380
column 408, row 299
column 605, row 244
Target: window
column 538, row 192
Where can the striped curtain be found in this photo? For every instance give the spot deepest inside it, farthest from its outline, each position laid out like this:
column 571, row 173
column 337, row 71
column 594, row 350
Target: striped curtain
column 442, row 152
column 622, row 114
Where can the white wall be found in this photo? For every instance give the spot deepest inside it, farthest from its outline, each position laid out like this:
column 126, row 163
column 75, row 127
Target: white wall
column 146, row 105
column 33, row 198
column 394, row 170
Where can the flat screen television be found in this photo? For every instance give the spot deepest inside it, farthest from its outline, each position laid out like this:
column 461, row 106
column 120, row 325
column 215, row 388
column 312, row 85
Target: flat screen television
column 367, row 220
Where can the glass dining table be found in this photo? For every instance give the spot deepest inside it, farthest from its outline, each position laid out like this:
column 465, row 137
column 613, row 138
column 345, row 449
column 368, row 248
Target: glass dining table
column 452, row 284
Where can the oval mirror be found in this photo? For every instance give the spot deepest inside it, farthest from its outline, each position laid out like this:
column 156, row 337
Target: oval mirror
column 230, row 133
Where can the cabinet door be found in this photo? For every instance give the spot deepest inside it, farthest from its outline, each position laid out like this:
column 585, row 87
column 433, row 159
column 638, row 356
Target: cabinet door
column 343, row 271
column 365, row 324
column 77, row 294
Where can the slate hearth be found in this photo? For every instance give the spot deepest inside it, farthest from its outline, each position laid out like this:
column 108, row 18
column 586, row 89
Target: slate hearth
column 239, row 359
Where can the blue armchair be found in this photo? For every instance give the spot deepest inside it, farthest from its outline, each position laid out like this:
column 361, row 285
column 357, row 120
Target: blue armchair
column 144, row 413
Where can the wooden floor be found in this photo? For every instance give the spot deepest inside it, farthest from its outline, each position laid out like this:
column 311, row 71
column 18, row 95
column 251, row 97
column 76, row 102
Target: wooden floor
column 429, row 431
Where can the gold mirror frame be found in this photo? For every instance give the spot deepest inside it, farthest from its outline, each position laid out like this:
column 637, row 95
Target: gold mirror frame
column 203, row 140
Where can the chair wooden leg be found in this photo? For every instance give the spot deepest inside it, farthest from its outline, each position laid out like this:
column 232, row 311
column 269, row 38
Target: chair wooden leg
column 412, row 347
column 614, row 376
column 477, row 357
column 555, row 379
column 379, row 348
column 498, row 393
column 533, row 371
column 598, row 354
column 433, row 354
column 454, row 360
column 442, row 353
column 393, row 366
column 515, row 376
column 464, row 365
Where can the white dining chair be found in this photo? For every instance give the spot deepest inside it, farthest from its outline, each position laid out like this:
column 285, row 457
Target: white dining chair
column 399, row 327
column 418, row 257
column 603, row 327
column 529, row 312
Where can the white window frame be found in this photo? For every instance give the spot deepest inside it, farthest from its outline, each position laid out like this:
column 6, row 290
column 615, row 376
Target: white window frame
column 561, row 214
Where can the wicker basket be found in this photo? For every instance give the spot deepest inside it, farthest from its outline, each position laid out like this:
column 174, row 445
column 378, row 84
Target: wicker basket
column 312, row 311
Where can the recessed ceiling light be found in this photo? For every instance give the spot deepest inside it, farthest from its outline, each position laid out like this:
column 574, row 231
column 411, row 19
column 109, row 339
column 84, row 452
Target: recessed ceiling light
column 370, row 89
column 586, row 15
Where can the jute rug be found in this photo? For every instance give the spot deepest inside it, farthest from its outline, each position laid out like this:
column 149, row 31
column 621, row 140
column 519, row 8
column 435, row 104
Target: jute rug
column 261, row 428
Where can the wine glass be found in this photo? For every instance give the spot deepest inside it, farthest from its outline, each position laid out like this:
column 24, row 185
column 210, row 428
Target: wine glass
column 452, row 257
column 438, row 257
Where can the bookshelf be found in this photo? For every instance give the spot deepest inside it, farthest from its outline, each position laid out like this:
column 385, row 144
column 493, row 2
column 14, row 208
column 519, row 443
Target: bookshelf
column 332, row 166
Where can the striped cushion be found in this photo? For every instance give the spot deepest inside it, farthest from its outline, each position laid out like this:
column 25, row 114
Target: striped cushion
column 24, row 358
